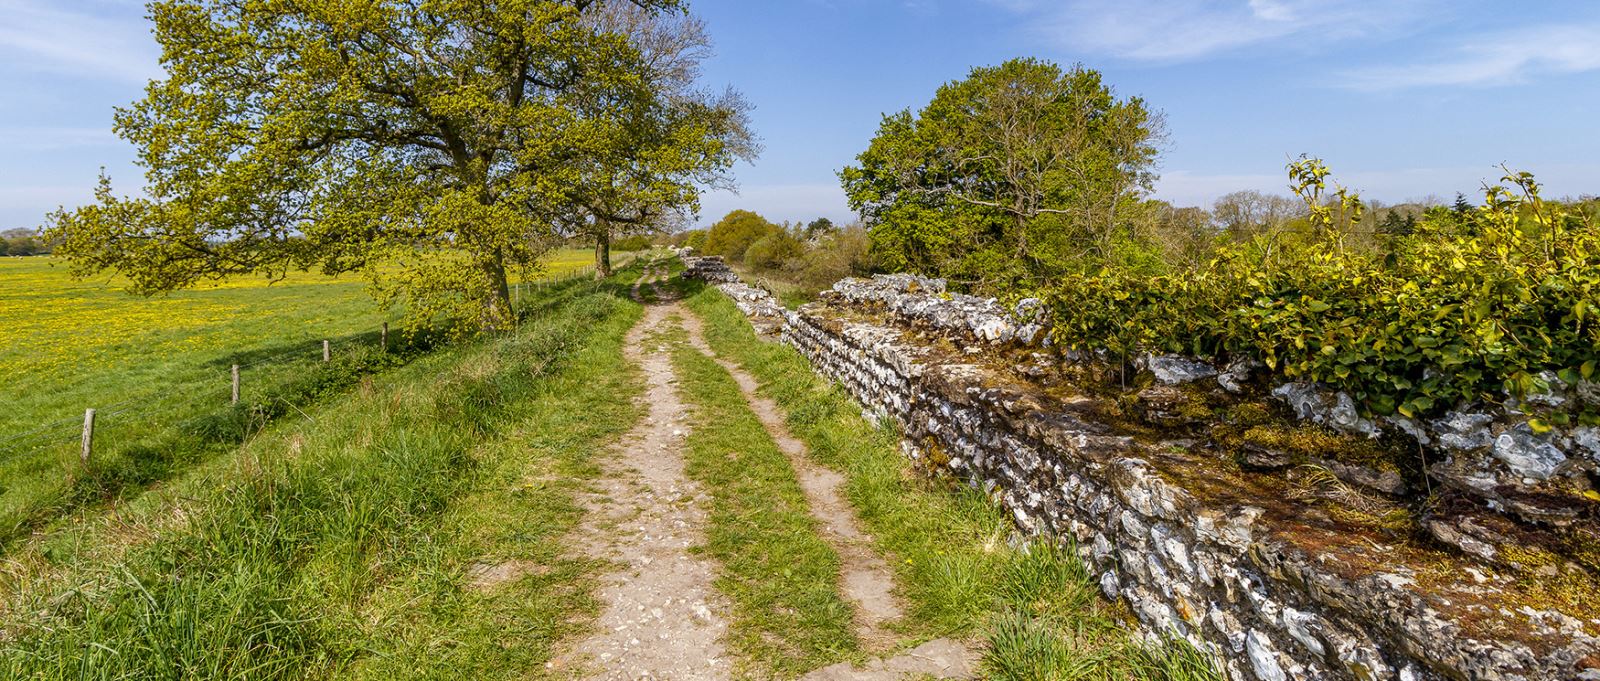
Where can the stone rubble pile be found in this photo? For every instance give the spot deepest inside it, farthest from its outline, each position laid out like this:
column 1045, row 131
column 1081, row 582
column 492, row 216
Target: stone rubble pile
column 709, row 269
column 756, row 303
column 1218, row 557
column 752, row 301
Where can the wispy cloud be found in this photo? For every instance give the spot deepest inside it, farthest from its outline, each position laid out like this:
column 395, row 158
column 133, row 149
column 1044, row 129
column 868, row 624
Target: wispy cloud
column 1503, row 58
column 104, row 40
column 1180, row 30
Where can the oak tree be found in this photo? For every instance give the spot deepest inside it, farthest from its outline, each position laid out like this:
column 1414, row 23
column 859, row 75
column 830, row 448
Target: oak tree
column 656, row 146
column 1014, row 174
column 427, row 143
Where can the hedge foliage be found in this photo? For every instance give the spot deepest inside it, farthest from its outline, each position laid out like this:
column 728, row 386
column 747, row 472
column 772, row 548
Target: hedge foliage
column 1461, row 310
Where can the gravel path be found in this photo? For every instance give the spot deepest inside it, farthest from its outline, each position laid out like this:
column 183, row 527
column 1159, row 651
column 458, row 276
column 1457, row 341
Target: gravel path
column 866, row 579
column 661, row 615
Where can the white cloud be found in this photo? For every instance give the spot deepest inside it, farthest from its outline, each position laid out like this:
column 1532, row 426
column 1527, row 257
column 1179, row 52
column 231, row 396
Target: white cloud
column 104, row 41
column 1180, row 30
column 779, row 203
column 1496, row 59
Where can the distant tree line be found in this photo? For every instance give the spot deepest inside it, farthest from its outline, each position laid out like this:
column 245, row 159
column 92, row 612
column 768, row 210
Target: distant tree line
column 811, row 254
column 24, row 241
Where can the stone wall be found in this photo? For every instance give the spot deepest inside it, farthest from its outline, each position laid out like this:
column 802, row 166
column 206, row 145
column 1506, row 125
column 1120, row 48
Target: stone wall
column 1239, row 561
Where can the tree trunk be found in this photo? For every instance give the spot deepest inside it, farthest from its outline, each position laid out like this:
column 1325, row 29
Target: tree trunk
column 602, row 254
column 497, row 312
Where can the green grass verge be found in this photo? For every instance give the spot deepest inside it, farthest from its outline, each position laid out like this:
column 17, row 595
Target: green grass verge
column 1034, row 606
column 157, row 371
column 781, row 576
column 522, row 507
column 340, row 544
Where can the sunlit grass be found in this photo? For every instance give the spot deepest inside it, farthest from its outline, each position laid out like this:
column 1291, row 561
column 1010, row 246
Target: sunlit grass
column 147, row 363
column 344, row 544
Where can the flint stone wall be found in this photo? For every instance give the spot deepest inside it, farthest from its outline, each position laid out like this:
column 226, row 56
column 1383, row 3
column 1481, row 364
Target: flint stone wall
column 1490, row 452
column 1231, row 573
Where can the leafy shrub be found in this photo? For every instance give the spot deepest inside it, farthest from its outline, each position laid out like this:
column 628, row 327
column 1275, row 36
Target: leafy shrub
column 1448, row 315
column 735, row 232
column 772, row 250
column 632, row 242
column 831, row 256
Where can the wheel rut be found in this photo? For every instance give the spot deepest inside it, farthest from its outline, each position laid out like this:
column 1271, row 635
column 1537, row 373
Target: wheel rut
column 661, row 615
column 660, row 618
column 866, row 579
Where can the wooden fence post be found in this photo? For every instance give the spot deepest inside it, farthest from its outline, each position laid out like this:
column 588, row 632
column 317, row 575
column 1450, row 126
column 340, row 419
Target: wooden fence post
column 88, row 435
column 327, row 353
column 383, row 338
column 235, row 384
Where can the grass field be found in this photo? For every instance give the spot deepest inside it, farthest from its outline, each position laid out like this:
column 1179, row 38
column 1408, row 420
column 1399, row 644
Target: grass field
column 345, row 544
column 149, row 364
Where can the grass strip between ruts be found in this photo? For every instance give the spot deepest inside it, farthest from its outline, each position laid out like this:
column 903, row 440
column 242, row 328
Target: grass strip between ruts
column 780, row 575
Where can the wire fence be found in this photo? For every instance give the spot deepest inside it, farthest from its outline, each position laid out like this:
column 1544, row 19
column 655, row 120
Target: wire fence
column 148, row 411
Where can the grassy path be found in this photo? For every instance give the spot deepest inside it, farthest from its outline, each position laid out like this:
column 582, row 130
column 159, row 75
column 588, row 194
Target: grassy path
column 865, row 579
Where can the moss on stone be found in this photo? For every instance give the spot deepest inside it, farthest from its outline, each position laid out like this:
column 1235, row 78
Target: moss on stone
column 1397, row 521
column 1315, row 442
column 1196, row 410
column 1248, row 414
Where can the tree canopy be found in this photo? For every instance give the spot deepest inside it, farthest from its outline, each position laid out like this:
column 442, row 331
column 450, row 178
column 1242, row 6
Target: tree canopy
column 1018, row 172
column 731, row 236
column 433, row 145
column 653, row 155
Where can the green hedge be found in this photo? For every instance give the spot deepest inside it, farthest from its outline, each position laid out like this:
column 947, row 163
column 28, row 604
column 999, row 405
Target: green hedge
column 1461, row 310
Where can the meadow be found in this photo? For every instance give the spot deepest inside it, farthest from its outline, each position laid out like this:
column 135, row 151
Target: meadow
column 341, row 541
column 149, row 364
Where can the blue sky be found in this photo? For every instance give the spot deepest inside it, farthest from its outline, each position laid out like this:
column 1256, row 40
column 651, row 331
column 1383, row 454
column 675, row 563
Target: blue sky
column 1403, row 98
